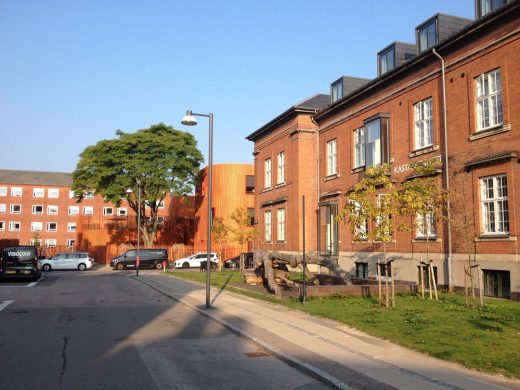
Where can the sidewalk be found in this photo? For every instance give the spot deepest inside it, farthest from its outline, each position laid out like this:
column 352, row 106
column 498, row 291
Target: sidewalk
column 334, row 353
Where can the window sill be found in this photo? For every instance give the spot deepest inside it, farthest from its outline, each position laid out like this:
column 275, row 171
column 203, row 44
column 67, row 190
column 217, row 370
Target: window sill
column 281, row 242
column 331, row 177
column 495, row 238
column 489, row 132
column 357, row 169
column 361, row 241
column 420, row 152
column 280, row 185
column 267, row 189
column 423, row 240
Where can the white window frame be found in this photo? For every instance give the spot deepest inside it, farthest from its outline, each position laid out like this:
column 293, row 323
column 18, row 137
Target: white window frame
column 122, row 211
column 53, row 209
column 38, row 192
column 362, row 231
column 2, row 226
column 35, row 211
column 16, row 191
column 71, row 227
column 281, row 168
column 489, row 100
column 3, row 191
column 106, row 211
column 50, row 242
column 280, row 220
column 89, row 195
column 267, row 173
column 425, row 226
column 3, row 208
column 359, row 147
column 15, row 226
column 161, row 204
column 73, row 210
column 13, row 207
column 332, row 167
column 53, row 193
column 48, row 226
column 494, row 203
column 373, row 143
column 36, row 226
column 88, row 210
column 71, row 194
column 71, row 242
column 268, row 226
column 423, row 121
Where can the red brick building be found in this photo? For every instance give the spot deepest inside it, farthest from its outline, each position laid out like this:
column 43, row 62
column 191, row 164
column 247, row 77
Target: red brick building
column 285, row 170
column 454, row 98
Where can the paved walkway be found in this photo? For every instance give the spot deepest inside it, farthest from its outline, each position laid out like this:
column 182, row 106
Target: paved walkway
column 336, row 354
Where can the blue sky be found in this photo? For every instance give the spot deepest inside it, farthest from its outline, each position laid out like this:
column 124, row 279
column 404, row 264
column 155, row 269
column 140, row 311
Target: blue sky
column 73, row 72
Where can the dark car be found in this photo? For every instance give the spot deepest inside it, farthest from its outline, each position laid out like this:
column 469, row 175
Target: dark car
column 235, row 261
column 20, row 262
column 148, row 258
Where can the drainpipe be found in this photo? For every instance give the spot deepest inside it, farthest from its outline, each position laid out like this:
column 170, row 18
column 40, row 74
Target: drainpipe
column 317, row 177
column 317, row 155
column 446, row 173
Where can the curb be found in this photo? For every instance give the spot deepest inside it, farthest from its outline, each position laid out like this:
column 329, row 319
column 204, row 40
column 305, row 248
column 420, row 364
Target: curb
column 293, row 362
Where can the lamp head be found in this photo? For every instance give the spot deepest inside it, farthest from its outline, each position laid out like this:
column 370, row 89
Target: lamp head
column 189, row 119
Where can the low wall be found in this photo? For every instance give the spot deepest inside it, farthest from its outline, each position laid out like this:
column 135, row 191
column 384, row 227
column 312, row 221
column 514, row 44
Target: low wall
column 361, row 290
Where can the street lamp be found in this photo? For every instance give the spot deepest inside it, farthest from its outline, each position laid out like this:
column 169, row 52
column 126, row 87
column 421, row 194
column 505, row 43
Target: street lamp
column 189, row 120
column 137, row 258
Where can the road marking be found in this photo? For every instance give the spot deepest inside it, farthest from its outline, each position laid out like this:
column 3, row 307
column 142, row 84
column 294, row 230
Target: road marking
column 4, row 304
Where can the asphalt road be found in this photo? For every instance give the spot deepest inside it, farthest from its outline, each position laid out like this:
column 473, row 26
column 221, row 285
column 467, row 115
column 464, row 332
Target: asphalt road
column 105, row 330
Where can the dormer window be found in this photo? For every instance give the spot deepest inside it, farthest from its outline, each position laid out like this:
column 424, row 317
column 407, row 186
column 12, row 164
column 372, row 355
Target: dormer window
column 484, row 7
column 336, row 90
column 427, row 35
column 438, row 28
column 386, row 60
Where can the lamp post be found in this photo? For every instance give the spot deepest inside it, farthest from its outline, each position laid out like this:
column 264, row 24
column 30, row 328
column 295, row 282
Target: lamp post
column 137, row 258
column 189, row 120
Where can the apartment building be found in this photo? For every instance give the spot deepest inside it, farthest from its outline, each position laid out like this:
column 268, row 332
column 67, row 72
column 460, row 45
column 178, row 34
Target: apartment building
column 451, row 95
column 285, row 171
column 39, row 208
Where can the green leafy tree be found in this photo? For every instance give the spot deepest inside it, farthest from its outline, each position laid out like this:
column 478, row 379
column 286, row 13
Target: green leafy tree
column 152, row 162
column 424, row 202
column 220, row 232
column 369, row 211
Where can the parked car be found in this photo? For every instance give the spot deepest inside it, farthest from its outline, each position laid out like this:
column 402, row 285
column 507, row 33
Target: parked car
column 195, row 260
column 235, row 261
column 20, row 262
column 148, row 258
column 80, row 261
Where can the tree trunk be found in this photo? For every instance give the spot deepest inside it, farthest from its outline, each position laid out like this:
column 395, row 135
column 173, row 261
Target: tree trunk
column 268, row 259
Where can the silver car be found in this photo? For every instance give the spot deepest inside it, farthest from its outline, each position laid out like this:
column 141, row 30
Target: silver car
column 73, row 260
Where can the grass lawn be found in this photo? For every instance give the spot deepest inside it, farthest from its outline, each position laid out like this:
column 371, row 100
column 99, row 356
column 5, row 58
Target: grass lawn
column 486, row 339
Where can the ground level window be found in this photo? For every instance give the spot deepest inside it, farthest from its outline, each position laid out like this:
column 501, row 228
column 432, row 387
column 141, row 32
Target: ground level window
column 497, row 283
column 362, row 270
column 385, row 271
